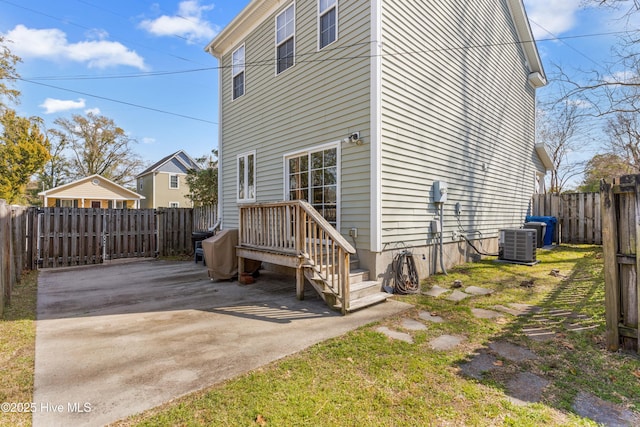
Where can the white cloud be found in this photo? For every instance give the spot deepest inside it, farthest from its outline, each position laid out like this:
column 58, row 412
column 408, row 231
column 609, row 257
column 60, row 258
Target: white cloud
column 51, row 105
column 552, row 16
column 94, row 111
column 186, row 23
column 52, row 44
column 147, row 140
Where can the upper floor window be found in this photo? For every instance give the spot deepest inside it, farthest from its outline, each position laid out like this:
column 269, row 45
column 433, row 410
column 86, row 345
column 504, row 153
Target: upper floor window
column 140, row 184
column 173, row 181
column 285, row 35
column 328, row 22
column 174, row 204
column 237, row 71
column 247, row 177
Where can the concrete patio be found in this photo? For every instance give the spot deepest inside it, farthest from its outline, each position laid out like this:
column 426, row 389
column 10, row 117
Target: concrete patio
column 115, row 340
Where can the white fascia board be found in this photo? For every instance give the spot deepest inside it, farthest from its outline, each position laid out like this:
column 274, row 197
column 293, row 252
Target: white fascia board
column 525, row 35
column 242, row 25
column 543, row 154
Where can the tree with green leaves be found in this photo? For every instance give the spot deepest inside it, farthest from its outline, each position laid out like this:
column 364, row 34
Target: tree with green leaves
column 56, row 171
column 603, row 166
column 100, row 147
column 203, row 183
column 24, row 150
column 8, row 74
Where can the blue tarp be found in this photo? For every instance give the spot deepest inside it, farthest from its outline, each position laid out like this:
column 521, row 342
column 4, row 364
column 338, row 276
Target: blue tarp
column 551, row 225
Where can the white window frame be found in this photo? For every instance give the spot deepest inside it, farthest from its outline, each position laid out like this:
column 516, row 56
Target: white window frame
column 235, row 71
column 308, row 152
column 286, row 39
column 171, row 187
column 140, row 184
column 174, row 205
column 66, row 203
column 321, row 13
column 245, row 158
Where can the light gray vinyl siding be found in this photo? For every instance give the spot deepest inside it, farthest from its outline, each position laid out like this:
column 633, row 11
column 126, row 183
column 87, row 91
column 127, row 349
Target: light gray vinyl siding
column 456, row 106
column 320, row 100
column 173, row 166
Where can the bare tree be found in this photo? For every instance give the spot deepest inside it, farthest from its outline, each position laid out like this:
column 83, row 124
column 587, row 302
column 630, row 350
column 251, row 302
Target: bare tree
column 559, row 127
column 623, row 130
column 98, row 146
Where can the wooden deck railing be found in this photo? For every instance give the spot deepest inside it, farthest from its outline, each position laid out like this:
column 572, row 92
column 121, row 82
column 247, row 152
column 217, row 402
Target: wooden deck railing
column 295, row 228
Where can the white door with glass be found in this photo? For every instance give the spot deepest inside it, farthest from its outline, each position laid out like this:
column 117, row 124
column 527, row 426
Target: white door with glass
column 313, row 176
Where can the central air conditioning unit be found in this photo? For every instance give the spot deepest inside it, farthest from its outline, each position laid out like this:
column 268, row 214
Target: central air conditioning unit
column 518, row 245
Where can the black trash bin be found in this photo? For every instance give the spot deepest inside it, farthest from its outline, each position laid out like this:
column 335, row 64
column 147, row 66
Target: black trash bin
column 198, row 236
column 541, row 228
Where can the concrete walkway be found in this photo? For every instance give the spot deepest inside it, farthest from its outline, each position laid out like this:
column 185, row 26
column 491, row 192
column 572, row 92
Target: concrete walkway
column 112, row 341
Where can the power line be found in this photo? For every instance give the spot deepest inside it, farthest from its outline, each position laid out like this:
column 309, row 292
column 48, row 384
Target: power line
column 555, row 37
column 272, row 61
column 157, row 110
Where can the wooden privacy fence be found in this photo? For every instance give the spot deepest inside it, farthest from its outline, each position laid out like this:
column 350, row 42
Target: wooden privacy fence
column 75, row 236
column 12, row 249
column 60, row 237
column 578, row 215
column 620, row 245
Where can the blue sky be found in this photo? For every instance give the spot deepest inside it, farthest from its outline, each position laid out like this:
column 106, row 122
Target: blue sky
column 92, row 48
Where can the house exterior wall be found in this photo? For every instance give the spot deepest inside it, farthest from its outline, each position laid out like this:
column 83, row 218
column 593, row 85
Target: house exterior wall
column 164, row 195
column 85, row 192
column 457, row 113
column 311, row 104
column 146, row 190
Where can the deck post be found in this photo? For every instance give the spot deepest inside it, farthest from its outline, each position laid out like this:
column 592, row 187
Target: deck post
column 300, row 283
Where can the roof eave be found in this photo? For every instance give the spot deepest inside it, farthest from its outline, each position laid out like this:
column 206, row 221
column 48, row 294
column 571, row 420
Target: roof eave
column 543, row 155
column 537, row 76
column 247, row 20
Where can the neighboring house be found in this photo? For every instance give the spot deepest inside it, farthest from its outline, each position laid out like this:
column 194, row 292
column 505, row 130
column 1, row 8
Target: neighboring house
column 93, row 191
column 164, row 183
column 360, row 106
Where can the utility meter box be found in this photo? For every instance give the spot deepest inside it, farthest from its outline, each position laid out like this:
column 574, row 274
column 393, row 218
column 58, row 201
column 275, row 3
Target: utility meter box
column 440, row 190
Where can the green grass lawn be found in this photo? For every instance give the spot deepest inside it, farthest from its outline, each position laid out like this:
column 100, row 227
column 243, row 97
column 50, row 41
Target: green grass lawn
column 365, row 378
column 17, row 350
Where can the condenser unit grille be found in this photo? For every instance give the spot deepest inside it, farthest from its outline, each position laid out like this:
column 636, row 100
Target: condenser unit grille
column 518, row 245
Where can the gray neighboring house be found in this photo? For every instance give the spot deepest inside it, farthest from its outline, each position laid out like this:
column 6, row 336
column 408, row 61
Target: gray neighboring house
column 361, row 106
column 163, row 184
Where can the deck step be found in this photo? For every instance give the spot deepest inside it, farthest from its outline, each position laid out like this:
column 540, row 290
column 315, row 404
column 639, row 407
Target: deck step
column 358, row 275
column 362, row 289
column 367, row 301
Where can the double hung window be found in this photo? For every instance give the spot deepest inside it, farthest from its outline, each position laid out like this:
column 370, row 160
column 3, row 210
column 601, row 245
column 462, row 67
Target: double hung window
column 237, row 71
column 285, row 39
column 328, row 22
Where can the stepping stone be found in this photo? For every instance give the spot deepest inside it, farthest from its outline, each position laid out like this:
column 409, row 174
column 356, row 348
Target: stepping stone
column 425, row 315
column 457, row 296
column 413, row 325
column 512, row 352
column 435, row 291
column 395, row 334
column 508, row 310
column 603, row 412
column 526, row 388
column 445, row 342
column 481, row 313
column 525, row 308
column 540, row 334
column 480, row 364
column 475, row 290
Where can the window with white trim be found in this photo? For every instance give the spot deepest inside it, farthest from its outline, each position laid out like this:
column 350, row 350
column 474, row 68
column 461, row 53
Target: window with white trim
column 173, row 181
column 313, row 176
column 327, row 22
column 174, row 204
column 140, row 184
column 237, row 72
column 246, row 177
column 285, row 39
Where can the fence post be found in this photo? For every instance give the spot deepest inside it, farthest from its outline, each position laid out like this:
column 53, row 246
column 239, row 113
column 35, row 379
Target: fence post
column 609, row 248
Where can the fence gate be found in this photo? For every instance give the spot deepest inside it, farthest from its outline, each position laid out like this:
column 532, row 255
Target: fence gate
column 620, row 245
column 75, row 236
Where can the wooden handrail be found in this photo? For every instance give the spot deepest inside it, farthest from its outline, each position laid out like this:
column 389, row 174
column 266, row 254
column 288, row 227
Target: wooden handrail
column 296, row 227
